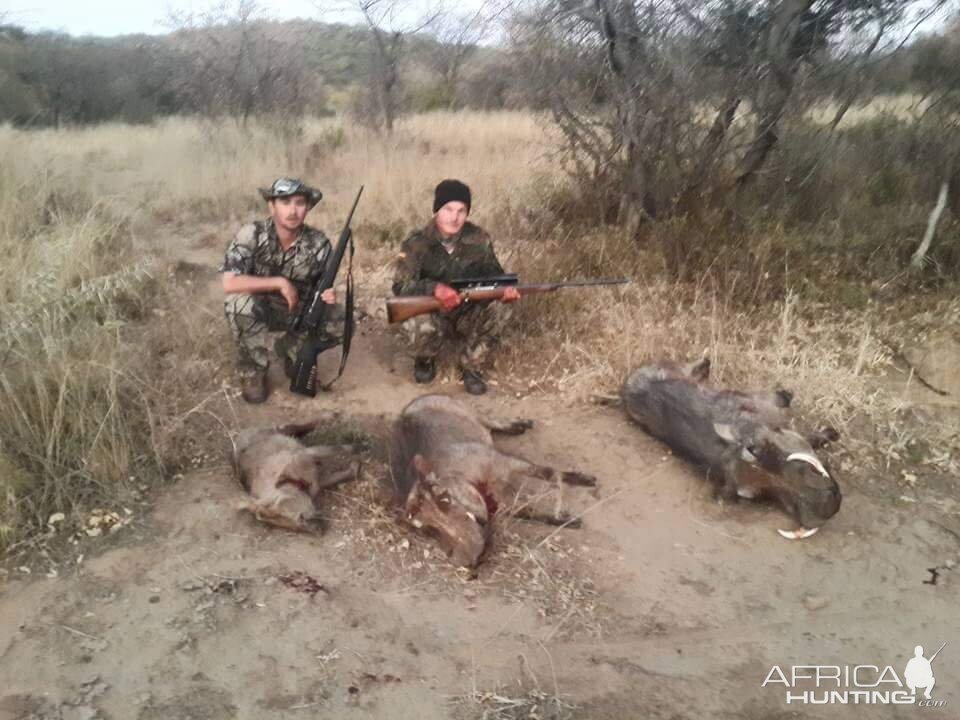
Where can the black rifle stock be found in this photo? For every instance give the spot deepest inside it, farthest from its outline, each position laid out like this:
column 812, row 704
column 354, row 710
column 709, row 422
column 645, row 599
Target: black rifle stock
column 313, row 313
column 405, row 307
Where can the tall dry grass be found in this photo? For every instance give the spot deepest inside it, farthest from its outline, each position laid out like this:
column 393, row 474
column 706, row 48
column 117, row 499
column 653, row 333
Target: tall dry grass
column 179, row 164
column 85, row 213
column 85, row 216
column 75, row 427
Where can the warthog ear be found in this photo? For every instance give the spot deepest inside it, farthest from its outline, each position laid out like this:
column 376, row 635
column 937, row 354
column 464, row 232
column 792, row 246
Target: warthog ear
column 699, row 370
column 784, row 398
column 822, row 437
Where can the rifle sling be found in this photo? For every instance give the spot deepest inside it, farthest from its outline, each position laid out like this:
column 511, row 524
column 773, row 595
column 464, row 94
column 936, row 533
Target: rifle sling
column 348, row 322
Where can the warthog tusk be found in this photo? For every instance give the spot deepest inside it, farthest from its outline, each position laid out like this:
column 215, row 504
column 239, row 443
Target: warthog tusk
column 799, row 533
column 810, row 459
column 471, row 516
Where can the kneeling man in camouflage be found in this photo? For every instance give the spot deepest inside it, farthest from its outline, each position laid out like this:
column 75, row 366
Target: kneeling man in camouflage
column 268, row 267
column 451, row 248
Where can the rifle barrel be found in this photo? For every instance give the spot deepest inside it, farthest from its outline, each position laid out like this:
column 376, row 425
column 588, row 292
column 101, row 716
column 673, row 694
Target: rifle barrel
column 311, row 314
column 936, row 653
column 576, row 283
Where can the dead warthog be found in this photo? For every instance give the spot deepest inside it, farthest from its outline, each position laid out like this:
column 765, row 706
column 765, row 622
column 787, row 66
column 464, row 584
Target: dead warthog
column 282, row 476
column 743, row 440
column 452, row 482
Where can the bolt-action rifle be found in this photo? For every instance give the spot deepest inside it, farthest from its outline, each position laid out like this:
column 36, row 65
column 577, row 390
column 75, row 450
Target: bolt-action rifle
column 474, row 290
column 313, row 314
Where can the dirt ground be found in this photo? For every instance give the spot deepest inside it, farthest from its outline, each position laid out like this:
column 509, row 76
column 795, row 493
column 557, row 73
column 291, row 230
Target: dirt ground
column 666, row 604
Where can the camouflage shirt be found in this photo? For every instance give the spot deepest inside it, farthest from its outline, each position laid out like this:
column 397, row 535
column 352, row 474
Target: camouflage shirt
column 256, row 251
column 423, row 261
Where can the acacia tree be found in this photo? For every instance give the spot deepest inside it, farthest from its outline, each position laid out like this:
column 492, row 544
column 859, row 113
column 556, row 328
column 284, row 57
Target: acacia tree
column 233, row 65
column 458, row 38
column 660, row 101
column 390, row 26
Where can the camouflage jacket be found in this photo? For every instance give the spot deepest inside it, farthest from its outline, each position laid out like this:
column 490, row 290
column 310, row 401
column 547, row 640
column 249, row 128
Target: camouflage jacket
column 423, row 261
column 256, row 251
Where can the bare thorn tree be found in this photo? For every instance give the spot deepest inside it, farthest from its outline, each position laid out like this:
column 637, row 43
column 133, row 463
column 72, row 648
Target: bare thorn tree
column 673, row 104
column 458, row 38
column 391, row 23
column 235, row 67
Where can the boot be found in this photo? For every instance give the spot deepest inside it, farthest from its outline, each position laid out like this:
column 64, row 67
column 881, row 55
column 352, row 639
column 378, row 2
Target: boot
column 473, row 383
column 424, row 369
column 255, row 388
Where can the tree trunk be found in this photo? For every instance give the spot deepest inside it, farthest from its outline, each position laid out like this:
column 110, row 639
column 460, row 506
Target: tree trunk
column 776, row 87
column 921, row 254
column 689, row 201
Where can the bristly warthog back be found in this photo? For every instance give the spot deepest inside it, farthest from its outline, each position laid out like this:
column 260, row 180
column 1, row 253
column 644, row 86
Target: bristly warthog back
column 742, row 439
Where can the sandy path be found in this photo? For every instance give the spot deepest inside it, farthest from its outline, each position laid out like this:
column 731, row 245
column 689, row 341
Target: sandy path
column 666, row 605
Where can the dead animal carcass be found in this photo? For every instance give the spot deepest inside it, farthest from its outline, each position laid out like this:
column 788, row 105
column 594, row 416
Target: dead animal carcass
column 742, row 439
column 282, row 476
column 452, row 482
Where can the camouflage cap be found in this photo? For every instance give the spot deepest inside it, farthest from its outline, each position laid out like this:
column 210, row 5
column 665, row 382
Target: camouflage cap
column 287, row 187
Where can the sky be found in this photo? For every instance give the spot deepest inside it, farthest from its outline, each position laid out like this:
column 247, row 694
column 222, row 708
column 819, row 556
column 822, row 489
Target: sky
column 107, row 18
column 121, row 17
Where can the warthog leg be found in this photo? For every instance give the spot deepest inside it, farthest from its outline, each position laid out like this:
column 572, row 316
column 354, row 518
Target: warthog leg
column 298, row 430
column 535, row 492
column 507, row 427
column 542, row 502
column 334, row 479
column 325, row 451
column 567, row 477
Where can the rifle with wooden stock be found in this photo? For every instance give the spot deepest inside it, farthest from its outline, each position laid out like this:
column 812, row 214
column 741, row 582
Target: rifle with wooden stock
column 474, row 290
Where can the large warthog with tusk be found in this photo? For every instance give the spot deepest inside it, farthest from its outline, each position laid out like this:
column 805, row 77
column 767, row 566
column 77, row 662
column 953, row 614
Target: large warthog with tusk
column 742, row 439
column 283, row 477
column 451, row 482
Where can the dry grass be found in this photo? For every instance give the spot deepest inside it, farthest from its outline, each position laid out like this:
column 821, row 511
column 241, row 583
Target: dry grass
column 835, row 360
column 513, row 704
column 905, row 107
column 76, row 429
column 87, row 217
column 92, row 401
column 181, row 167
column 527, row 564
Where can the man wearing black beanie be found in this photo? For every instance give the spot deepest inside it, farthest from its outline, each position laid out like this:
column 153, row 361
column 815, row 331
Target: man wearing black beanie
column 451, row 248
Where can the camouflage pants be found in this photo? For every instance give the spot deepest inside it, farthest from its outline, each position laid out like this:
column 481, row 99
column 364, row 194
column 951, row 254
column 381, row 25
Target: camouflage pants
column 253, row 317
column 476, row 328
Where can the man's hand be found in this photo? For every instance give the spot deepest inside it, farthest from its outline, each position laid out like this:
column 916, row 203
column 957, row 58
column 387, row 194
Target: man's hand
column 329, row 296
column 448, row 297
column 510, row 294
column 289, row 293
